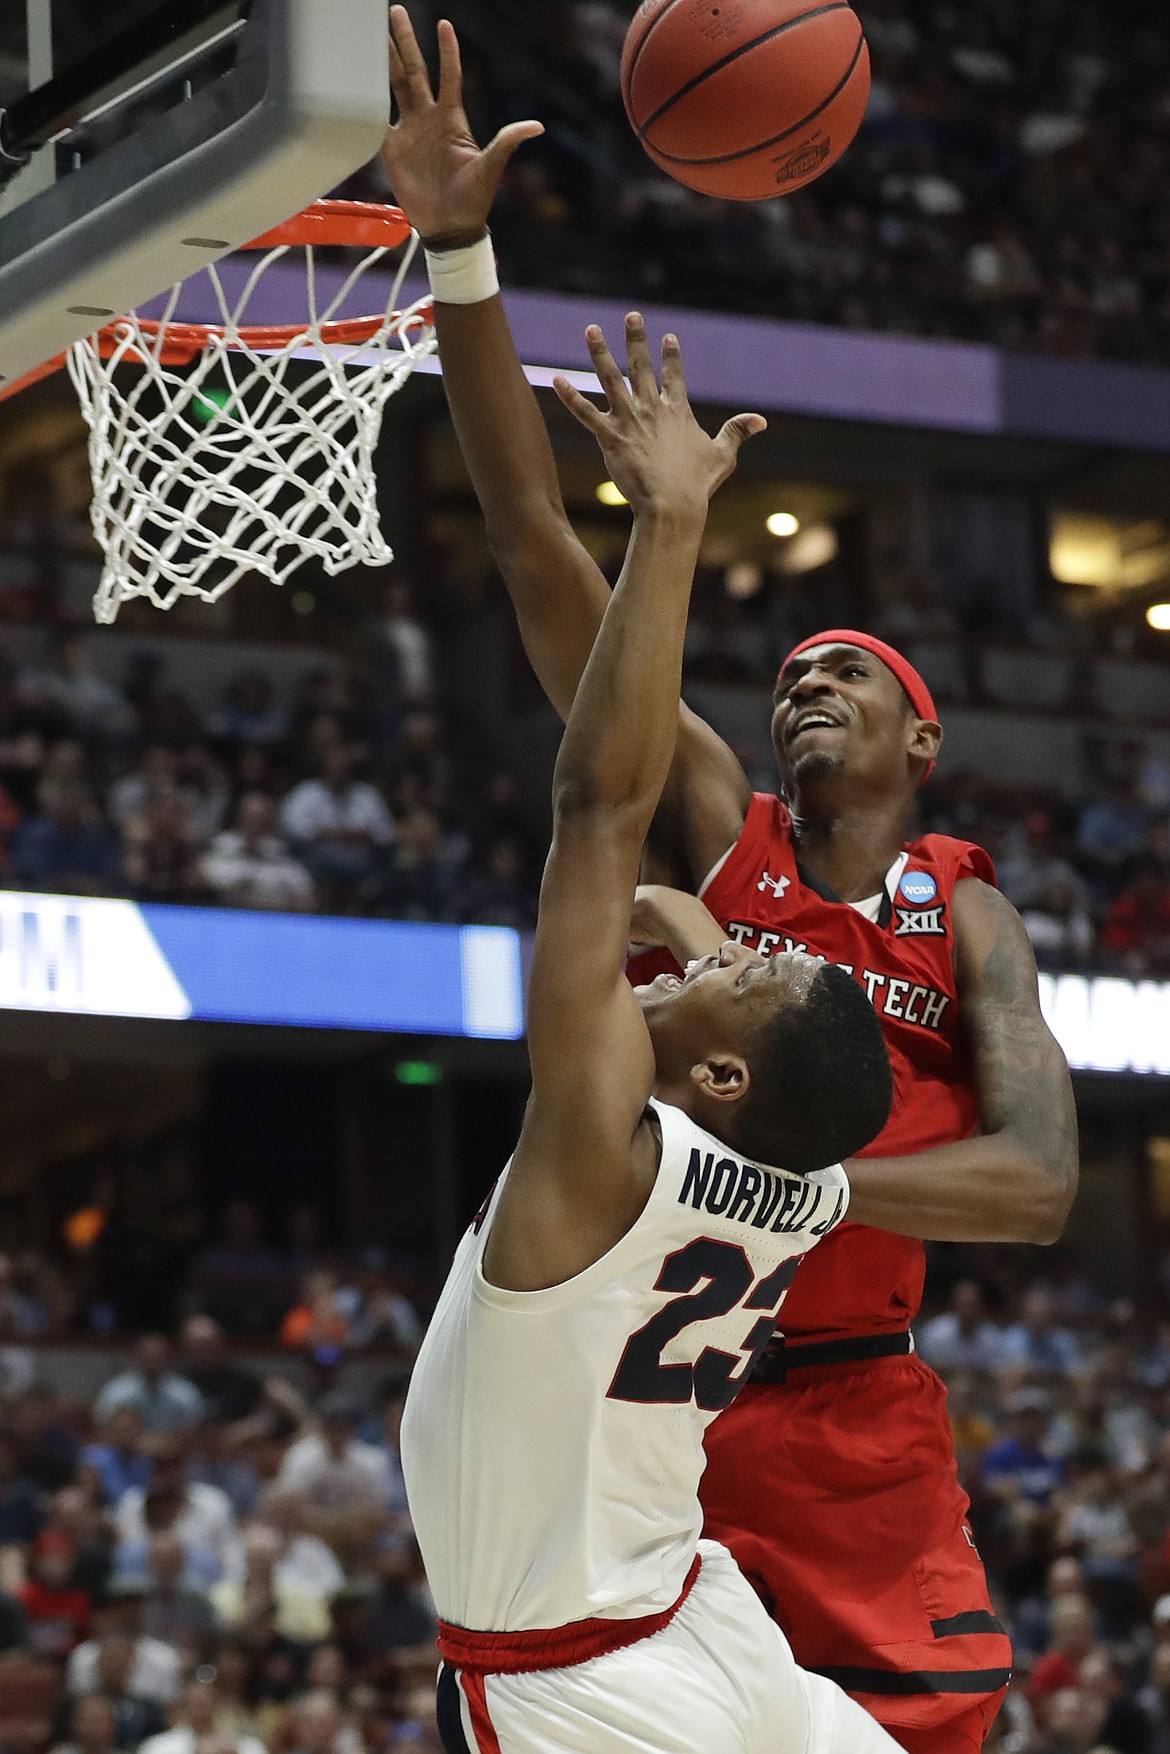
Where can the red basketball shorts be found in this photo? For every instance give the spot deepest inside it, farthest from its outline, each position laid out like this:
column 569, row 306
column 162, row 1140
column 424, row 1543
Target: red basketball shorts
column 836, row 1491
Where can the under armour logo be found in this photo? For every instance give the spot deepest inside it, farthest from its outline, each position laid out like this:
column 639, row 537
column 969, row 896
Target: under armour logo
column 776, row 884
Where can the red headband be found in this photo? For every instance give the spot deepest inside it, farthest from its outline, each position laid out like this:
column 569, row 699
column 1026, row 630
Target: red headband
column 920, row 696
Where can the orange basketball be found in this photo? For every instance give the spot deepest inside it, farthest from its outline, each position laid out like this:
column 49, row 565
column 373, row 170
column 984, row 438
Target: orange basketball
column 745, row 99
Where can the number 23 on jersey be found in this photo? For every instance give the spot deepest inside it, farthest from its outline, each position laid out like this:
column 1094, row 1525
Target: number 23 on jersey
column 715, row 1378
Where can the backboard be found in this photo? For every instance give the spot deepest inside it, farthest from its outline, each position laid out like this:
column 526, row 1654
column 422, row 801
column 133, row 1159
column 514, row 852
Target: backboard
column 142, row 139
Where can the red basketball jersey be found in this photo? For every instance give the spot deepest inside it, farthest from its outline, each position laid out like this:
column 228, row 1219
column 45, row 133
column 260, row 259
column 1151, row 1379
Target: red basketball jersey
column 862, row 1281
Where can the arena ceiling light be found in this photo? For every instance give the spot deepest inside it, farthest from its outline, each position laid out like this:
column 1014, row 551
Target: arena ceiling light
column 1111, row 554
column 816, row 545
column 609, row 493
column 782, row 524
column 1158, row 616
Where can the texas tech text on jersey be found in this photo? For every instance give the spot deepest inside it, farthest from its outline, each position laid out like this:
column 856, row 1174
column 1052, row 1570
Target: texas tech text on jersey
column 891, row 995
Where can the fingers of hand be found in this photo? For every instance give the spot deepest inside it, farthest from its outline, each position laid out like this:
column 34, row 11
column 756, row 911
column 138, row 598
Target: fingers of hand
column 606, row 367
column 674, row 382
column 397, row 74
column 737, row 431
column 579, row 406
column 413, row 87
column 450, row 66
column 638, row 362
column 746, row 426
column 499, row 151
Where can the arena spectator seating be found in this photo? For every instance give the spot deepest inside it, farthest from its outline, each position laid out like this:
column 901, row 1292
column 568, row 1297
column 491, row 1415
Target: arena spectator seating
column 1006, row 186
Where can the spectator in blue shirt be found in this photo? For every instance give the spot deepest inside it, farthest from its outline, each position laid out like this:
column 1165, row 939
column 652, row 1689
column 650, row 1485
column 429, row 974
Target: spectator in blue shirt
column 1018, row 1465
column 1036, row 1341
column 20, row 1502
column 67, row 846
column 164, row 1400
column 119, row 1459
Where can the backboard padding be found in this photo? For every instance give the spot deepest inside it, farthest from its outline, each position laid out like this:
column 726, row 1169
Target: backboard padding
column 304, row 107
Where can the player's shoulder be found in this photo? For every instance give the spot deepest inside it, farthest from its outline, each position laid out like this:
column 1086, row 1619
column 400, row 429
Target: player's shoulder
column 767, row 818
column 952, row 859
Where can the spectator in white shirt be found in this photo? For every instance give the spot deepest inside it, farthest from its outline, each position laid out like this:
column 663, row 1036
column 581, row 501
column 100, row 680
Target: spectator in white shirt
column 318, row 1727
column 341, row 828
column 400, row 655
column 963, row 1338
column 195, row 1719
column 251, row 866
column 1059, row 925
column 199, row 1516
column 332, row 1468
column 153, row 1670
column 166, row 1401
column 290, row 1566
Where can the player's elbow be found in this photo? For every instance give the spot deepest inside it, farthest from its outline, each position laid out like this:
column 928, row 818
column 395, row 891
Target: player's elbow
column 1041, row 1230
column 528, row 537
column 584, row 804
column 1043, row 1211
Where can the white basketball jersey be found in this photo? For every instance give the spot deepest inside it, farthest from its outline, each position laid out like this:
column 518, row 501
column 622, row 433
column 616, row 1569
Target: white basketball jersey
column 552, row 1441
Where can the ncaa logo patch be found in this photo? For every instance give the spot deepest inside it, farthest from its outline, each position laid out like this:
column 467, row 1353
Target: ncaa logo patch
column 918, row 888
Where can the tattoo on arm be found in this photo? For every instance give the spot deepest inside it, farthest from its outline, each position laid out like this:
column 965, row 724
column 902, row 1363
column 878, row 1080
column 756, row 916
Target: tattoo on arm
column 1024, row 1083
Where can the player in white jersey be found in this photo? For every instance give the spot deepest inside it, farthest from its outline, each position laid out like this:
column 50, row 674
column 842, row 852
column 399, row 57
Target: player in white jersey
column 612, row 1294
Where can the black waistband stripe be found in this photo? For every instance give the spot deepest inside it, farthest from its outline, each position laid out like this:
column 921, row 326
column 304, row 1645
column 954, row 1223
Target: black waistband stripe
column 781, row 1356
column 890, row 1684
column 974, row 1620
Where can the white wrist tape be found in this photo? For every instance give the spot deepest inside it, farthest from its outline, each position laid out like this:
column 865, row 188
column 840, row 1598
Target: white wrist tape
column 466, row 276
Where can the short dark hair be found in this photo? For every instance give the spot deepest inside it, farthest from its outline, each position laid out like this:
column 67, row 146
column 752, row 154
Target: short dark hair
column 821, row 1084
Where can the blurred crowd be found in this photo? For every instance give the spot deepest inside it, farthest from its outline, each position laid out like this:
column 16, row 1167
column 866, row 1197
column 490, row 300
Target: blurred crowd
column 1007, row 185
column 1060, row 1405
column 208, row 1558
column 1090, row 876
column 362, row 794
column 215, row 1551
column 370, row 791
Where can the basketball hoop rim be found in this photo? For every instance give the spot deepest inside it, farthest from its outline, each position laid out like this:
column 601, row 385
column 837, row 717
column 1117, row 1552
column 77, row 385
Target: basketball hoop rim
column 325, row 224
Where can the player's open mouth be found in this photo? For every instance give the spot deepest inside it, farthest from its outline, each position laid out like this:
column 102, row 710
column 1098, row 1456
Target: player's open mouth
column 699, row 965
column 813, row 722
column 666, row 983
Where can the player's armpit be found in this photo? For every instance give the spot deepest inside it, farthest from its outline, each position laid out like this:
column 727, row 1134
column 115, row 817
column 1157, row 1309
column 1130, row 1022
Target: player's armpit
column 704, row 804
column 1022, row 1076
column 1016, row 1180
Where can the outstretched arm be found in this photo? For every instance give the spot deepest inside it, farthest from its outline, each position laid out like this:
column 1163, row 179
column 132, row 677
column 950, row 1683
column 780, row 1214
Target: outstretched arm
column 446, row 185
column 1015, row 1181
column 577, row 1182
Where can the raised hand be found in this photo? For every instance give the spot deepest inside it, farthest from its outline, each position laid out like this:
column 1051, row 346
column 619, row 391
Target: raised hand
column 654, row 448
column 442, row 180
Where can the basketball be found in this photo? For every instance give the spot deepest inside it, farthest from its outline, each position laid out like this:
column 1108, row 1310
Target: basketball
column 745, row 99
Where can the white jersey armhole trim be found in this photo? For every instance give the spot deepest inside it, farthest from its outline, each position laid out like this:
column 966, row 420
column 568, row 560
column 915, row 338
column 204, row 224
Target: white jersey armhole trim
column 605, row 1268
column 705, row 885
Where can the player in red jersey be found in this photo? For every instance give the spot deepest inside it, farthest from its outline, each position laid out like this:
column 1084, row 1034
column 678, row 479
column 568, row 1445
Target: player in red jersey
column 835, row 1483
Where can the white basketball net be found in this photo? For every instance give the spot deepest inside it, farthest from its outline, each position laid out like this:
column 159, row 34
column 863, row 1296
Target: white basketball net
column 236, row 464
